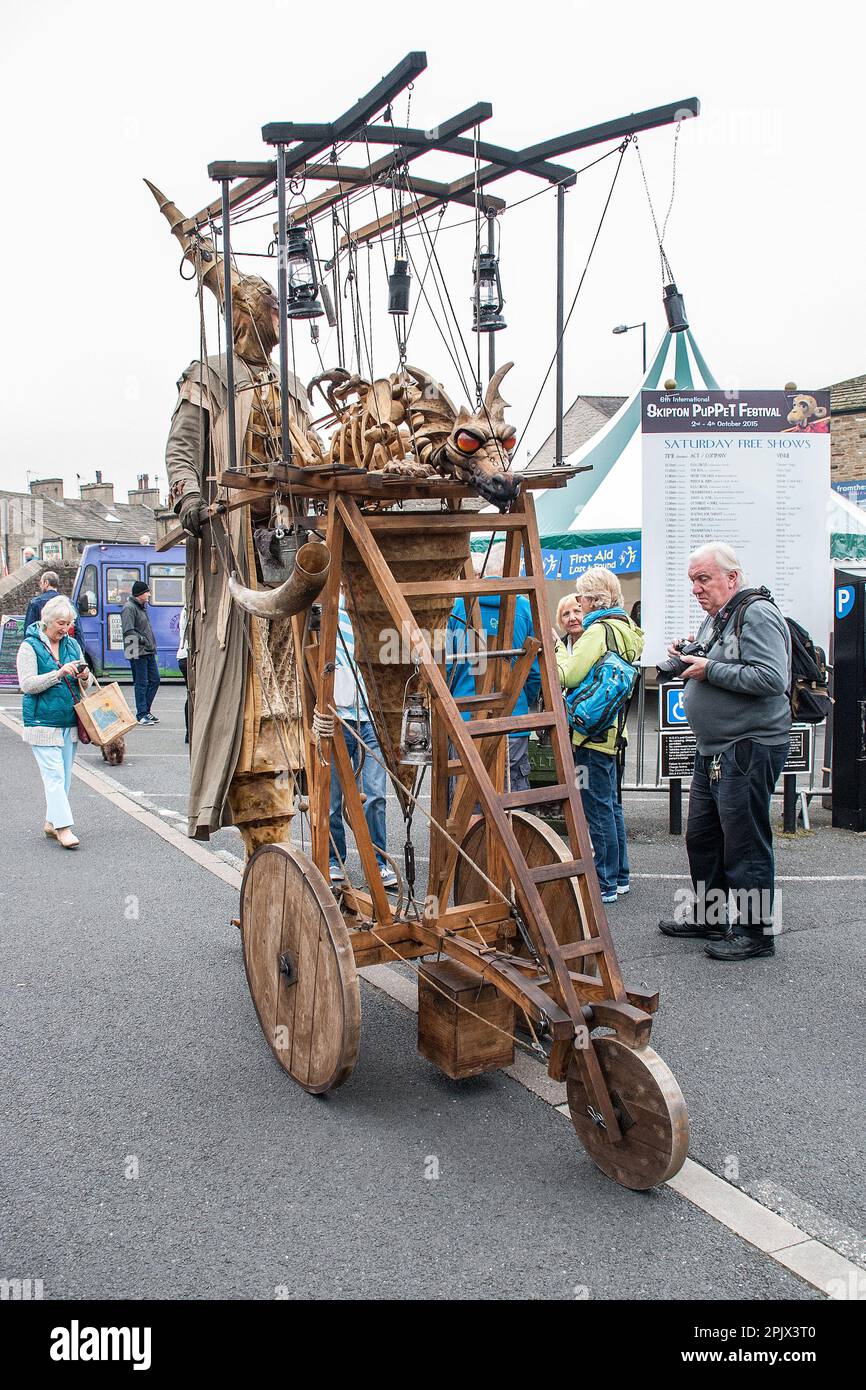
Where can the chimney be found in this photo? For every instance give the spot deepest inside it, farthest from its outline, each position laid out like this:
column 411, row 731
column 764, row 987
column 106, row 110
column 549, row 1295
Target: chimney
column 52, row 488
column 144, row 495
column 98, row 491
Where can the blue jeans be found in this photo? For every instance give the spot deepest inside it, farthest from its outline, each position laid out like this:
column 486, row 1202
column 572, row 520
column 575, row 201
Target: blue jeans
column 374, row 783
column 604, row 817
column 145, row 679
column 55, row 765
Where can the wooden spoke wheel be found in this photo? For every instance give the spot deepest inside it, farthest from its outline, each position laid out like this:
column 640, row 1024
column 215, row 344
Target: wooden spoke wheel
column 649, row 1106
column 300, row 968
column 539, row 844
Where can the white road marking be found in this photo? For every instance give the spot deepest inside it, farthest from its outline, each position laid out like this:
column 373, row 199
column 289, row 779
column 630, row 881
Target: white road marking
column 817, row 1264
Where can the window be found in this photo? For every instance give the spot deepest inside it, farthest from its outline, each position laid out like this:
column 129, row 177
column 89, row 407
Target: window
column 52, row 550
column 166, row 585
column 118, row 584
column 88, row 600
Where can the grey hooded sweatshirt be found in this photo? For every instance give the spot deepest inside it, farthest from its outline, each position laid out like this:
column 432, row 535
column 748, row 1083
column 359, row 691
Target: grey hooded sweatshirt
column 747, row 680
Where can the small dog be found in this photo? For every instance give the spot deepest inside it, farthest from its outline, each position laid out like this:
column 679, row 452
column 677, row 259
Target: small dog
column 114, row 752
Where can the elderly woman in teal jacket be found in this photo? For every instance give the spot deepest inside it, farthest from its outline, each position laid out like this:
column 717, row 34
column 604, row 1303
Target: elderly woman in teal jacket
column 52, row 674
column 599, row 594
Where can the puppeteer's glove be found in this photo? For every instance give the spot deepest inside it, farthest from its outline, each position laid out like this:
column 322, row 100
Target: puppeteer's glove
column 192, row 513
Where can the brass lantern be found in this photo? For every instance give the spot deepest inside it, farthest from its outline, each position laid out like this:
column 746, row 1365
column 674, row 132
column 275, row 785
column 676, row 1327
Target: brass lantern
column 416, row 738
column 487, row 301
column 303, row 285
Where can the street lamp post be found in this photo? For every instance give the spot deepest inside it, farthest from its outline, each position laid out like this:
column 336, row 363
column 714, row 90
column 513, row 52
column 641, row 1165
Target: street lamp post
column 627, row 327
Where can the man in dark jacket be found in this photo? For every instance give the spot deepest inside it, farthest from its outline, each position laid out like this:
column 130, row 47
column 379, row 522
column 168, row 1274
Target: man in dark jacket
column 47, row 590
column 737, row 674
column 139, row 646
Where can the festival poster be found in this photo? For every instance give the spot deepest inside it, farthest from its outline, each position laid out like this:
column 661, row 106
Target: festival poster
column 751, row 468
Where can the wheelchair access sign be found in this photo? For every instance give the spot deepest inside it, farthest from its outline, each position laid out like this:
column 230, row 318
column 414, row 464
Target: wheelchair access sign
column 672, row 715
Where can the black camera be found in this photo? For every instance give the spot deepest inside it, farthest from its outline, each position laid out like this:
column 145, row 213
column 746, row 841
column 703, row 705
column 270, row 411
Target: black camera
column 689, row 648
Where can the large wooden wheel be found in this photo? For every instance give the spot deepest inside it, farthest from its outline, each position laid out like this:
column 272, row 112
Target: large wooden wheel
column 649, row 1106
column 539, row 844
column 300, row 968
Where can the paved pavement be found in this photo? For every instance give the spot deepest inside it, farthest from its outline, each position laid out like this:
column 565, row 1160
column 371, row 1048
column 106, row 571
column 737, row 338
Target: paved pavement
column 131, row 1047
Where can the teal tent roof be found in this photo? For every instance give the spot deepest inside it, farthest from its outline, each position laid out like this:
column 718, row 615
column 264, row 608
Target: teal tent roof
column 609, row 497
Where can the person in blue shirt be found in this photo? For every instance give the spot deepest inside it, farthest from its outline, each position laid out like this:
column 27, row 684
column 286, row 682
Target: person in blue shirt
column 461, row 674
column 350, row 702
column 47, row 590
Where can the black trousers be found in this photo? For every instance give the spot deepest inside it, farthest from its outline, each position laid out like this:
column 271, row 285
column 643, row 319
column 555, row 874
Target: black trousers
column 729, row 838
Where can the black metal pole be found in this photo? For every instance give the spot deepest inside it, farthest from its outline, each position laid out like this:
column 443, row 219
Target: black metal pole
column 675, row 806
column 282, row 295
column 789, row 803
column 560, row 317
column 491, row 337
column 227, row 301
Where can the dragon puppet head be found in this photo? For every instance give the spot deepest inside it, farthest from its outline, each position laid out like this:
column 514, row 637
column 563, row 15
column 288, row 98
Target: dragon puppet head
column 254, row 303
column 474, row 447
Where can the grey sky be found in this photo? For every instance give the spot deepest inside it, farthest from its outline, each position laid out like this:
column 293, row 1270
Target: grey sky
column 766, row 235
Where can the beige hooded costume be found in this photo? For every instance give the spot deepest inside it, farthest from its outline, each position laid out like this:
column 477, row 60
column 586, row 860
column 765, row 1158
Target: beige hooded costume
column 245, row 738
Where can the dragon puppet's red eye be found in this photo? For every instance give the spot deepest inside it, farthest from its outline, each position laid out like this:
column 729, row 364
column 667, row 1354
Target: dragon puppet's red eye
column 467, row 443
column 509, row 442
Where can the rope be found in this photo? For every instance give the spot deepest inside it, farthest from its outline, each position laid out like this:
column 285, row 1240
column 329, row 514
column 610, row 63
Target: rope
column 323, row 727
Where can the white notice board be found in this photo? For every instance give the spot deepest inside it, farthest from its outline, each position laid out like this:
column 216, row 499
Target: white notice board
column 751, row 468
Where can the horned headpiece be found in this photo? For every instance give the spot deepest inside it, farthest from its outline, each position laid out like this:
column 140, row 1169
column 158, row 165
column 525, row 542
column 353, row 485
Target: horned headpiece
column 253, row 299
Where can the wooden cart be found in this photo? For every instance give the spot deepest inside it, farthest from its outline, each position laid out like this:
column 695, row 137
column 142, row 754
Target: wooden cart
column 511, row 926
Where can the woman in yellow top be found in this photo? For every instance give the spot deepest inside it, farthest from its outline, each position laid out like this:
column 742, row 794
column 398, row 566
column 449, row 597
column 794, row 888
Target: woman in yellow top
column 599, row 595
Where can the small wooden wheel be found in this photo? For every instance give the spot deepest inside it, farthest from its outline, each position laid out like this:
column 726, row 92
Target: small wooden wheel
column 649, row 1106
column 540, row 844
column 300, row 968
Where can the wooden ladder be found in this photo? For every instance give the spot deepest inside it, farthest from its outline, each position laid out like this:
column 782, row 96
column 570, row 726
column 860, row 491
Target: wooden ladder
column 480, row 749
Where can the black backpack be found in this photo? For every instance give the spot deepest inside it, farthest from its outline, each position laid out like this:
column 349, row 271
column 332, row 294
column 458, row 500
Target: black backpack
column 809, row 693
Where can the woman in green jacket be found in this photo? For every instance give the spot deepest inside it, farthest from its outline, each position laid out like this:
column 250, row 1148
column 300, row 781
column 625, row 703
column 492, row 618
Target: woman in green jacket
column 52, row 673
column 600, row 597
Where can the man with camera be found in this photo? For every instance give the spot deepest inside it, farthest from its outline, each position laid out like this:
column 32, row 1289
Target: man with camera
column 737, row 674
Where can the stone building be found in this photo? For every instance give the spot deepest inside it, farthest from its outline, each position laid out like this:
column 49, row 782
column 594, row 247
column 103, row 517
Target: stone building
column 848, row 432
column 581, row 421
column 44, row 530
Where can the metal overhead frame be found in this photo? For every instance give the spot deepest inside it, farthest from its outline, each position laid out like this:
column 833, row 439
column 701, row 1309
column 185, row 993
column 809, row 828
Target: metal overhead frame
column 299, row 144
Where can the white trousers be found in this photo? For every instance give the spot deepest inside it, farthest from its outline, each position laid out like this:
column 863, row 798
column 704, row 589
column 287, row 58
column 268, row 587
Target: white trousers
column 55, row 765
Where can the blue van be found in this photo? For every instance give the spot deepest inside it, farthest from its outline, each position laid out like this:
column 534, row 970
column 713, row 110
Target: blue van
column 102, row 586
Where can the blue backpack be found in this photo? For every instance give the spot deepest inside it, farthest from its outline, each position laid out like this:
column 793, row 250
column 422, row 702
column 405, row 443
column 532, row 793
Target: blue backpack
column 603, row 696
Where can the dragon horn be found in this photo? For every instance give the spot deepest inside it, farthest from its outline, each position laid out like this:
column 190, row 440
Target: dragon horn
column 199, row 250
column 493, row 402
column 299, row 591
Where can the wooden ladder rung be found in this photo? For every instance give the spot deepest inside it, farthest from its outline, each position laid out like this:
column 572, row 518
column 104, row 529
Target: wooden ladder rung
column 479, row 701
column 509, row 724
column 548, row 873
column 536, row 796
column 448, row 588
column 575, row 949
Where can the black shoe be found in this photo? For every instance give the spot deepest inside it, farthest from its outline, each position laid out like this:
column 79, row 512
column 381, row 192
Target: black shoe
column 692, row 929
column 742, row 946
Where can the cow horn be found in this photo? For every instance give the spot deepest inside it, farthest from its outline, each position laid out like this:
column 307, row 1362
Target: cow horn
column 198, row 249
column 493, row 402
column 300, row 590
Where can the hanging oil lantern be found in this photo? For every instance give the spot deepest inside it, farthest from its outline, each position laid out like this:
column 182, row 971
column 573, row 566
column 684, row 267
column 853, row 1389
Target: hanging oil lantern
column 487, row 301
column 416, row 739
column 675, row 309
column 303, row 285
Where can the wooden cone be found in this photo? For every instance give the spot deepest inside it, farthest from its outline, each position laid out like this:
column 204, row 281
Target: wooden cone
column 412, row 555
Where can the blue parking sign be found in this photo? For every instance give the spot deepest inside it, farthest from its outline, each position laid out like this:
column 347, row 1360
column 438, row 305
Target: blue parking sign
column 844, row 600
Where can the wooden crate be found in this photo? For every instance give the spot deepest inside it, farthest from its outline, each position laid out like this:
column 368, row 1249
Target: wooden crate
column 458, row 1043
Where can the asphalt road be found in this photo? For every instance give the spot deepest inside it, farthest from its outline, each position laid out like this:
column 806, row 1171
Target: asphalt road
column 155, row 1149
